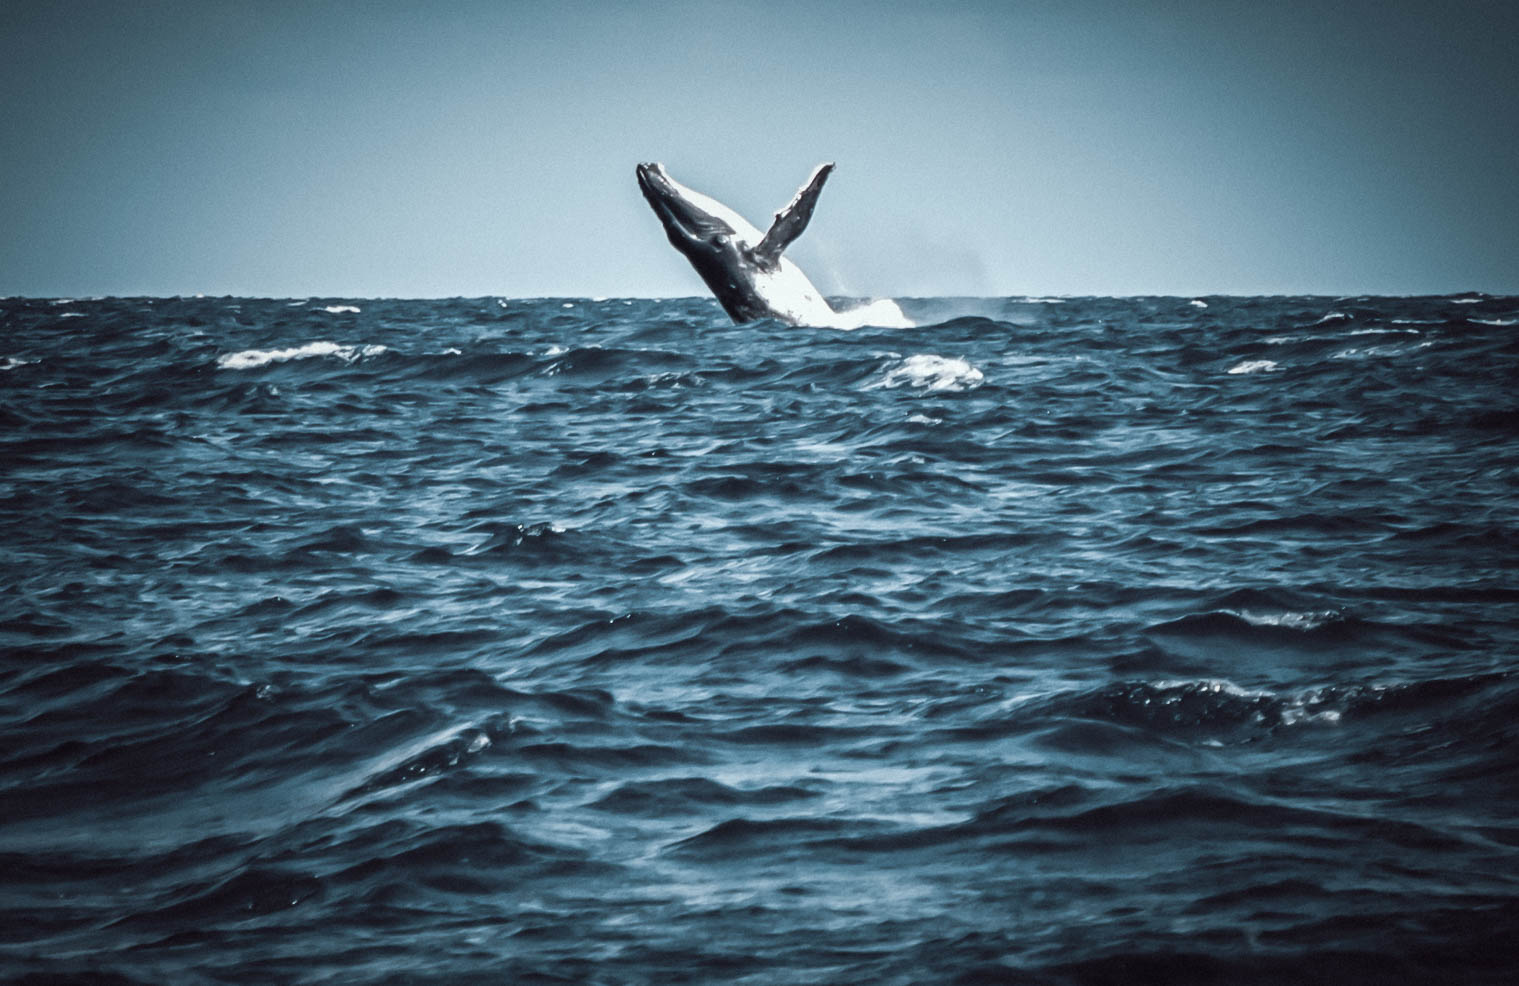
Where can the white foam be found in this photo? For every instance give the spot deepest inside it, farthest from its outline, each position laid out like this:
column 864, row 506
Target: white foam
column 1334, row 317
column 71, row 314
column 933, row 373
column 1387, row 350
column 1373, row 332
column 250, row 359
column 339, row 309
column 568, row 304
column 1294, row 709
column 1255, row 366
column 1031, row 300
column 882, row 313
column 11, row 362
column 1495, row 321
column 1217, row 686
column 1294, row 714
column 1466, row 301
column 1307, row 620
column 1198, row 303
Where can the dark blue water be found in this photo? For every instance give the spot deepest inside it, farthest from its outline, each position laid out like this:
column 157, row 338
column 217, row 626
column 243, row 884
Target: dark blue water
column 1093, row 640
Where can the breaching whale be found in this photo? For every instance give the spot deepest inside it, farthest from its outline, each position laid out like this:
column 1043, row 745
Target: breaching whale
column 744, row 268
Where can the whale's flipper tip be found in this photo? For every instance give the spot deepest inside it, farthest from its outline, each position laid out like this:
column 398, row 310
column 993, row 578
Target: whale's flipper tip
column 792, row 220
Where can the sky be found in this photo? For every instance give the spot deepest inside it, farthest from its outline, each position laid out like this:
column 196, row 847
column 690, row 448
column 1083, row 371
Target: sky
column 439, row 149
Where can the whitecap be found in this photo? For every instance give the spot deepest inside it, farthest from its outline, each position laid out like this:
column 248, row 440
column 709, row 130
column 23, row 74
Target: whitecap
column 1298, row 712
column 1304, row 707
column 1466, row 301
column 1306, row 620
column 1198, row 303
column 1373, row 332
column 933, row 373
column 1495, row 321
column 1215, row 686
column 71, row 314
column 11, row 362
column 1031, row 300
column 1334, row 317
column 250, row 359
column 568, row 304
column 1255, row 366
column 339, row 309
column 1387, row 350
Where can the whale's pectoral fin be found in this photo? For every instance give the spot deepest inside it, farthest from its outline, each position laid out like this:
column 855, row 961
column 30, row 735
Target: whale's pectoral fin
column 790, row 221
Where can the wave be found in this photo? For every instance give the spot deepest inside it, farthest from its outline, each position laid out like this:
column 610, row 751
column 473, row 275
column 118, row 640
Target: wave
column 1382, row 331
column 250, row 359
column 1220, row 710
column 1363, row 352
column 694, row 795
column 927, row 371
column 1215, row 706
column 1255, row 366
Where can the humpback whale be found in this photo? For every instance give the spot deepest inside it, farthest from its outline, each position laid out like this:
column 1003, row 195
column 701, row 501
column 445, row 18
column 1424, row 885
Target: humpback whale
column 743, row 267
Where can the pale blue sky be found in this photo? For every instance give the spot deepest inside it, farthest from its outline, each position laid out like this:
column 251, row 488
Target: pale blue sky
column 362, row 149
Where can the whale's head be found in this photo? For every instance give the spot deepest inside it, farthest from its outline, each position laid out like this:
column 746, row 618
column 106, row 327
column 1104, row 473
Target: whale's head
column 688, row 220
column 710, row 235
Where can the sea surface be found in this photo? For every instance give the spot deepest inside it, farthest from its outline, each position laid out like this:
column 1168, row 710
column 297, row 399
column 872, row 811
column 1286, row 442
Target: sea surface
column 1056, row 640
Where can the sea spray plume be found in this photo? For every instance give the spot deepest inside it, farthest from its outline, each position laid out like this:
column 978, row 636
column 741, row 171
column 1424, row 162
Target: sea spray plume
column 744, row 269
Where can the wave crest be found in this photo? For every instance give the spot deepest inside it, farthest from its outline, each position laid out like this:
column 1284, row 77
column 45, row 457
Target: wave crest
column 250, row 359
column 933, row 373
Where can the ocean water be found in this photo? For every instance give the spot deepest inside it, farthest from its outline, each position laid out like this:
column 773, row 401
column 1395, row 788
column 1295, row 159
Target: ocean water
column 1071, row 640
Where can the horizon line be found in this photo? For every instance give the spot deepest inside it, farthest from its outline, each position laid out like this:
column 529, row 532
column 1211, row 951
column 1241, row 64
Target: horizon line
column 1030, row 297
